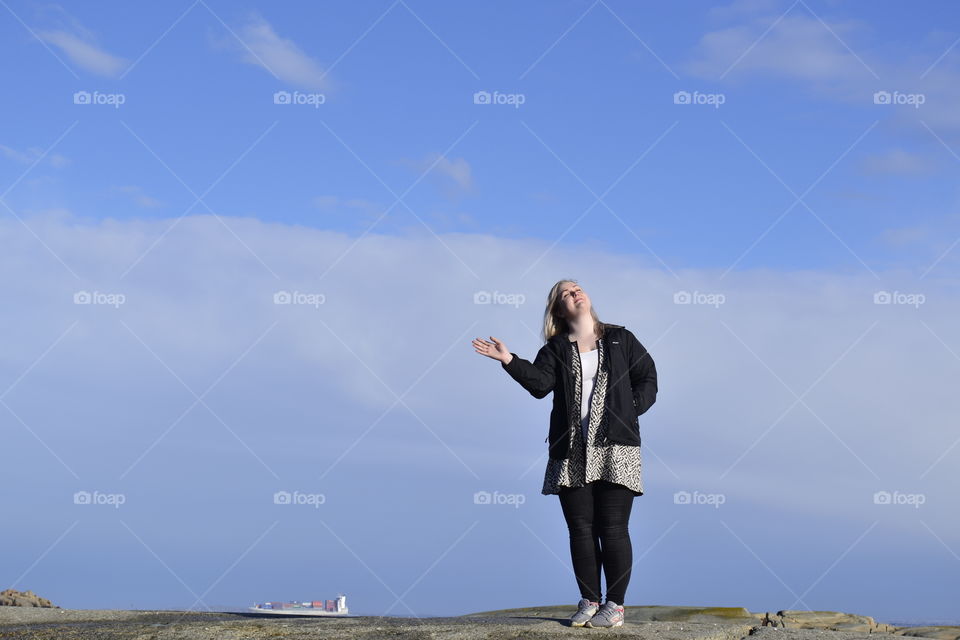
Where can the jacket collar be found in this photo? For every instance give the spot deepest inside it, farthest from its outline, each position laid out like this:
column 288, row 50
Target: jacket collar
column 561, row 337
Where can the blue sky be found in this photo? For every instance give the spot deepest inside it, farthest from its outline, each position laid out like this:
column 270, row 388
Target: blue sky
column 180, row 165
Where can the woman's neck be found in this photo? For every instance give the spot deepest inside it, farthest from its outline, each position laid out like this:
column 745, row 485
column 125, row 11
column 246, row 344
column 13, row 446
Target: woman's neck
column 582, row 328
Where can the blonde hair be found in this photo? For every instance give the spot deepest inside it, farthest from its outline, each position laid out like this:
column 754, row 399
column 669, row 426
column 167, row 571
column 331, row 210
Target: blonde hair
column 553, row 320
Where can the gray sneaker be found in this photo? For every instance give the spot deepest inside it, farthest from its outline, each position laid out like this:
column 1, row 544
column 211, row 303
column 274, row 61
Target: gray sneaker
column 609, row 615
column 585, row 609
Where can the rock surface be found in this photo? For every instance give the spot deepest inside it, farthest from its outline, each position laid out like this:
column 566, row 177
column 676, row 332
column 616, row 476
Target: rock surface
column 939, row 632
column 831, row 620
column 11, row 598
column 649, row 613
column 533, row 623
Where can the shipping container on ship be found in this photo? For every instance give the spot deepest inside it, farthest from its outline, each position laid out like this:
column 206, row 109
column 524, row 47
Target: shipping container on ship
column 336, row 607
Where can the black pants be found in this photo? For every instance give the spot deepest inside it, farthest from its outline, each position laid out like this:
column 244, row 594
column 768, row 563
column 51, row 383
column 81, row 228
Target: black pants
column 597, row 516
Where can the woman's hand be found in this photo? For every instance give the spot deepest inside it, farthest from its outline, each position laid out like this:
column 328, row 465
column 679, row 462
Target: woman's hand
column 496, row 349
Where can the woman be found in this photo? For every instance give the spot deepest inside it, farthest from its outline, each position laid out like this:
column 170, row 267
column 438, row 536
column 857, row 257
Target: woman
column 602, row 380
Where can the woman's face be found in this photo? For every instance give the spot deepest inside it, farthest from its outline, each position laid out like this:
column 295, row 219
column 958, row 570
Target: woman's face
column 573, row 300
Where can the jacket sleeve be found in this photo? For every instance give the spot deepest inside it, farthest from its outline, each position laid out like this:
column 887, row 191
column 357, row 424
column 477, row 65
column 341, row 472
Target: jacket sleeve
column 643, row 375
column 537, row 377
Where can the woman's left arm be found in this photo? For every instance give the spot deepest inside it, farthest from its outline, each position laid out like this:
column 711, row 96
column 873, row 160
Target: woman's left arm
column 643, row 375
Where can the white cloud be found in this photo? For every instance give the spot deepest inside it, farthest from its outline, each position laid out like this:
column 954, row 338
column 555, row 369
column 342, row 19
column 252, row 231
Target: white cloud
column 326, row 202
column 139, row 197
column 359, row 210
column 32, row 154
column 57, row 160
column 262, row 46
column 84, row 53
column 938, row 234
column 799, row 47
column 875, row 400
column 455, row 175
column 457, row 170
column 737, row 8
column 835, row 58
column 905, row 236
column 331, row 202
column 897, row 162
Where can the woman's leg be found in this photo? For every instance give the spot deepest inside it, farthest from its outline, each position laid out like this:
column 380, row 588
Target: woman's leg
column 578, row 510
column 613, row 503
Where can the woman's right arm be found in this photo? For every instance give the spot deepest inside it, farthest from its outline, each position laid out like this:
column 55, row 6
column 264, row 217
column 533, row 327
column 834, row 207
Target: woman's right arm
column 537, row 377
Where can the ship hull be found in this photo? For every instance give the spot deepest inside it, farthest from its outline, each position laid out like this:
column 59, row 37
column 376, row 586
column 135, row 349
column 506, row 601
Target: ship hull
column 297, row 612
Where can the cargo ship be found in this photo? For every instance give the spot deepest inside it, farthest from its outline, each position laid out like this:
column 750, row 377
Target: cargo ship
column 336, row 607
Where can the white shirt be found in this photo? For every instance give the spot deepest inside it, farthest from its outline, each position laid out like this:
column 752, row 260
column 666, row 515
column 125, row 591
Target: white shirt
column 588, row 367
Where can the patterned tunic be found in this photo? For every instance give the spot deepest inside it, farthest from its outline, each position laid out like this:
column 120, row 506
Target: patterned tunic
column 590, row 460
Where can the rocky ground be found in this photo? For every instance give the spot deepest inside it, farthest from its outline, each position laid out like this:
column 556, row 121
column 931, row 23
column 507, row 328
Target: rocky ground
column 653, row 623
column 13, row 598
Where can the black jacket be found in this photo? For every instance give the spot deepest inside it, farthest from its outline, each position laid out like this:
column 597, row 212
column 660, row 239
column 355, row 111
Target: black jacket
column 632, row 386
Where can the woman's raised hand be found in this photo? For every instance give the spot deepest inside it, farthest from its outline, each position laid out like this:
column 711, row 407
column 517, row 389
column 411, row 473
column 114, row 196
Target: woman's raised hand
column 496, row 349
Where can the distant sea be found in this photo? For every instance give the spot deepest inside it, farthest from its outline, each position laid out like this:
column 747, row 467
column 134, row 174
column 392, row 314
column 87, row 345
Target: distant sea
column 922, row 623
